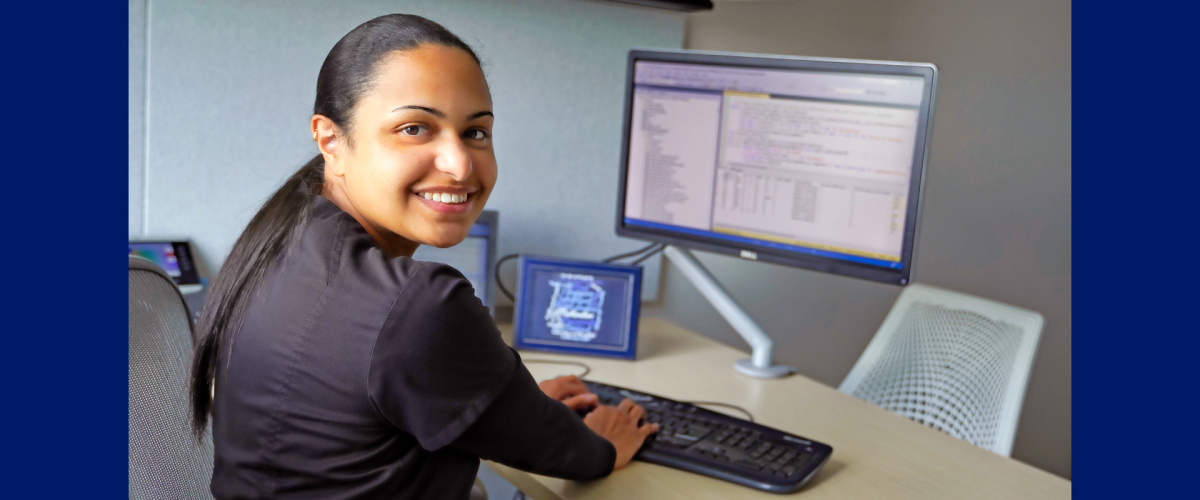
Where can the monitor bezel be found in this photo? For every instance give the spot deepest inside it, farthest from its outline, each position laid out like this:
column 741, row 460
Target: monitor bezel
column 523, row 307
column 901, row 276
column 184, row 251
column 491, row 219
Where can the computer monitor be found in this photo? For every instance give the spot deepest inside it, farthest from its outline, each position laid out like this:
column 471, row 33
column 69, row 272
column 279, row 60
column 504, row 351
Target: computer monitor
column 806, row 162
column 474, row 257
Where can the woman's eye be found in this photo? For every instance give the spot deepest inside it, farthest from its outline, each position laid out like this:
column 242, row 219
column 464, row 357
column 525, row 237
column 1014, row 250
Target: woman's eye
column 412, row 130
column 476, row 134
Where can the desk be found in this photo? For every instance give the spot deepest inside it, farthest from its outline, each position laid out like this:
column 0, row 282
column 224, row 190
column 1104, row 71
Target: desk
column 876, row 454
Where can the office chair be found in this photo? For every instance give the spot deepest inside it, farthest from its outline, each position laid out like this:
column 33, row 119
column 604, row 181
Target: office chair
column 165, row 460
column 956, row 363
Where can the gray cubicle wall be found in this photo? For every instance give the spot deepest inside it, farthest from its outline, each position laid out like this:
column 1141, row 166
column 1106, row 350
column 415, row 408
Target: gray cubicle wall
column 221, row 94
column 997, row 216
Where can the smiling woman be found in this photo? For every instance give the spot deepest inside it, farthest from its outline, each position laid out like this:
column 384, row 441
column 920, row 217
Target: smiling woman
column 333, row 365
column 446, row 149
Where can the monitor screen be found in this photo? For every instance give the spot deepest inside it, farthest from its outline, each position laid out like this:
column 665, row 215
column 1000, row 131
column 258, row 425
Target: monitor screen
column 472, row 257
column 174, row 257
column 806, row 162
column 161, row 253
column 575, row 306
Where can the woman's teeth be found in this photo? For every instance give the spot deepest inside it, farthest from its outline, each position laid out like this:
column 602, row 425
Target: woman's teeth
column 445, row 197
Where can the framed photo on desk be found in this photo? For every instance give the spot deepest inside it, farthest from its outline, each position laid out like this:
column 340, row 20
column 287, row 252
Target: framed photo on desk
column 577, row 307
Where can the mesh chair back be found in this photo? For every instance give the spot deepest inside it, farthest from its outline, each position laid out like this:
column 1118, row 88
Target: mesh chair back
column 165, row 461
column 956, row 363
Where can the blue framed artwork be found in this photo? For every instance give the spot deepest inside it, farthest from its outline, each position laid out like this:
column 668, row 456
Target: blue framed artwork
column 577, row 307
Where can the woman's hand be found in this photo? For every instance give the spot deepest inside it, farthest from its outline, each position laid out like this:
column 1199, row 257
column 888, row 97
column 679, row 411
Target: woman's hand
column 570, row 390
column 619, row 425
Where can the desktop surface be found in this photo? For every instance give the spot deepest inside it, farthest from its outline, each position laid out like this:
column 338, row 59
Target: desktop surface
column 878, row 454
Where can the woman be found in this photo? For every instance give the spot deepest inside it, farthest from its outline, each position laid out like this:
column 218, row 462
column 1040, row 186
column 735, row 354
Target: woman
column 334, row 365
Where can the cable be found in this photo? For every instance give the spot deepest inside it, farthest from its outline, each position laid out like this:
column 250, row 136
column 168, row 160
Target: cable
column 630, row 254
column 586, row 369
column 660, row 248
column 653, row 248
column 726, row 405
column 499, row 282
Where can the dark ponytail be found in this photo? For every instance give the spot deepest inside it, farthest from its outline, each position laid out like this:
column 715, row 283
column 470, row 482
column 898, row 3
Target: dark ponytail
column 347, row 73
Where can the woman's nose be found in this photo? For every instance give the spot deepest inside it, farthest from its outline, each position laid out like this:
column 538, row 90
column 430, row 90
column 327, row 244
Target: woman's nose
column 452, row 159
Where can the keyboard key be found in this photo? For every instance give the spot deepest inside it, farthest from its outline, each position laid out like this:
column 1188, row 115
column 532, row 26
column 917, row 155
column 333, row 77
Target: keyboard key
column 749, row 463
column 674, row 441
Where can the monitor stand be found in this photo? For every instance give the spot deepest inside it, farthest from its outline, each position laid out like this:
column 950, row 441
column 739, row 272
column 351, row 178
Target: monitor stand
column 759, row 364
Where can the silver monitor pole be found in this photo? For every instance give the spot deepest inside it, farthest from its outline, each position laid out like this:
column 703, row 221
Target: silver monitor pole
column 759, row 364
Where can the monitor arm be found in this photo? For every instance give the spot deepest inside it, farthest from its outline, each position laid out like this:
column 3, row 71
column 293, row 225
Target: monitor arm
column 759, row 364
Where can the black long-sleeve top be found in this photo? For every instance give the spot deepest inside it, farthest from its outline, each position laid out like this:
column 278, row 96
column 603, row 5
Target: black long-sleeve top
column 358, row 376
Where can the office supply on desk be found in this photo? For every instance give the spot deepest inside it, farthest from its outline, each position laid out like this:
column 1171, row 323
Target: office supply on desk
column 713, row 444
column 165, row 460
column 577, row 307
column 807, row 162
column 474, row 257
column 953, row 362
column 173, row 255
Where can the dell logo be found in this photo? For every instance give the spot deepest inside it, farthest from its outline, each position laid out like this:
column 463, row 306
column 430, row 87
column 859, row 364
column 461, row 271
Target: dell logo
column 746, row 254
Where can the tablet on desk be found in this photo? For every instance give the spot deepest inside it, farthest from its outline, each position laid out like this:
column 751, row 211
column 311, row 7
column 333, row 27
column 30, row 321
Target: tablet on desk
column 577, row 307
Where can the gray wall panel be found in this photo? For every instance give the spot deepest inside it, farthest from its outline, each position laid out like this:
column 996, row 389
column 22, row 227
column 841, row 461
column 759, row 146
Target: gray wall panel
column 137, row 109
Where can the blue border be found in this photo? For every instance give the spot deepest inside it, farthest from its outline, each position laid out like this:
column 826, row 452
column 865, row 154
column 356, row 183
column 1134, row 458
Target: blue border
column 765, row 243
column 524, row 304
column 66, row 364
column 1134, row 344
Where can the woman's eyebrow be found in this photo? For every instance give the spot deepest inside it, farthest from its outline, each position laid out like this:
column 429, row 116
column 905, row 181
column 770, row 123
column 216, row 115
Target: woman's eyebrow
column 431, row 111
column 440, row 114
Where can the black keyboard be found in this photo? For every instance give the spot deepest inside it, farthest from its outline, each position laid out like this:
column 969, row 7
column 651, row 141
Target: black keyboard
column 713, row 444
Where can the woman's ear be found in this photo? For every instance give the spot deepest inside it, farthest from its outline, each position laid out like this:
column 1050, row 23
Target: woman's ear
column 329, row 141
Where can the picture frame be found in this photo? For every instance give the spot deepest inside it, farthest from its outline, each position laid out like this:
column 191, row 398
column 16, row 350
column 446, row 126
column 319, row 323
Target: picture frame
column 577, row 307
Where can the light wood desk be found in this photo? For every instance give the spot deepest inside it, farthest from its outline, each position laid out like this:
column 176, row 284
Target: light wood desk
column 876, row 454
